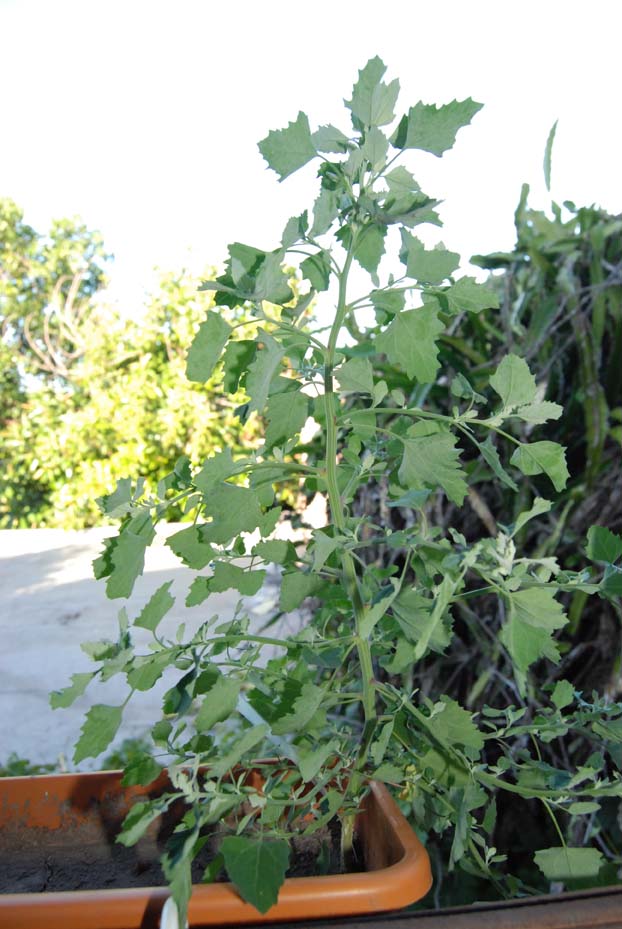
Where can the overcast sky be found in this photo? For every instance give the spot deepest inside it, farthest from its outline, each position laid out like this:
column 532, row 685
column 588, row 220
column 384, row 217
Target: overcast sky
column 144, row 117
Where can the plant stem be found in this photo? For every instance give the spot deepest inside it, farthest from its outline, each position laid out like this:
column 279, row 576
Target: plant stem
column 339, row 518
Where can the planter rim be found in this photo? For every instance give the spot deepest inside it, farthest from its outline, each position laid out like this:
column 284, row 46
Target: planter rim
column 389, row 887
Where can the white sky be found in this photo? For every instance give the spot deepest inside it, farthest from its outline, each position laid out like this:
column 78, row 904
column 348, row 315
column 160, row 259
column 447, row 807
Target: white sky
column 143, row 117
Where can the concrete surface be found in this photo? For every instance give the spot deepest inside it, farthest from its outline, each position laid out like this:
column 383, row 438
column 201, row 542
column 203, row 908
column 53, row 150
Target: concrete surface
column 49, row 604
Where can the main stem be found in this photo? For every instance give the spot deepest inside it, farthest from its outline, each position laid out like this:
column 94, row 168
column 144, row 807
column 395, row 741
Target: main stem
column 339, row 519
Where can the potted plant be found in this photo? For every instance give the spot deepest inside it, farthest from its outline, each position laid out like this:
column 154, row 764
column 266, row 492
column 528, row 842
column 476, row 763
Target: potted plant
column 337, row 703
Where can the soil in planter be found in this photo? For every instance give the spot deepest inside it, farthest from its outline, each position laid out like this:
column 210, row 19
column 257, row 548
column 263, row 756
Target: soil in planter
column 85, row 856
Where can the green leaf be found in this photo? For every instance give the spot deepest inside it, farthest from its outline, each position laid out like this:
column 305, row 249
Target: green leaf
column 256, row 867
column 539, row 507
column 455, row 726
column 240, row 747
column 236, row 359
column 323, row 547
column 138, row 820
column 410, row 342
column 120, row 501
column 543, row 458
column 563, row 694
column 286, row 414
column 262, row 370
column 311, row 763
column 125, row 556
column 356, row 375
column 425, row 623
column 325, row 211
column 287, row 150
column 99, row 729
column 272, row 282
column 392, row 301
column 378, row 608
column 369, row 247
column 316, row 269
column 277, row 551
column 433, row 129
column 514, row 382
column 541, row 412
column 430, row 266
column 611, row 584
column 296, row 587
column 548, row 151
column 603, row 545
column 295, row 230
column 374, row 149
column 142, row 769
column 304, row 709
column 60, row 699
column 373, row 101
column 233, row 510
column 219, row 703
column 156, row 608
column 431, row 459
column 206, row 348
column 491, row 457
column 527, row 634
column 401, row 182
column 147, row 669
column 214, row 470
column 188, row 545
column 568, row 864
column 227, row 576
column 330, row 139
column 466, row 295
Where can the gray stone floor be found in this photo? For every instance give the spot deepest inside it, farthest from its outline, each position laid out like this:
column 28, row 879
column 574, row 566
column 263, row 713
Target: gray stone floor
column 49, row 604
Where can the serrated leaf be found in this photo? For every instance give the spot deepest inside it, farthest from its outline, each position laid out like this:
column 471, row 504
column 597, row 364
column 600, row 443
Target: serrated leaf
column 356, row 375
column 392, row 301
column 296, row 587
column 466, row 295
column 138, row 820
column 126, row 556
column 410, row 342
column 543, row 458
column 119, row 502
column 455, row 726
column 541, row 412
column 214, row 470
column 156, row 608
column 262, row 370
column 611, row 584
column 434, row 129
column 563, row 694
column 277, row 551
column 325, row 210
column 147, row 669
column 603, row 545
column 491, row 457
column 330, row 139
column 295, row 230
column 375, row 147
column 233, row 510
column 378, row 608
column 432, row 459
column 305, row 707
column 425, row 623
column 287, row 150
column 219, row 703
column 569, row 864
column 98, row 730
column 188, row 545
column 252, row 737
column 388, row 773
column 272, row 282
column 401, row 182
column 430, row 266
column 539, row 507
column 369, row 247
column 316, row 269
column 60, row 699
column 286, row 414
column 236, row 359
column 142, row 769
column 527, row 634
column 206, row 348
column 323, row 547
column 256, row 867
column 514, row 382
column 311, row 763
column 373, row 101
column 228, row 576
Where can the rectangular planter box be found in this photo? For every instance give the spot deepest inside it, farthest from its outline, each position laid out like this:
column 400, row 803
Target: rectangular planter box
column 397, row 866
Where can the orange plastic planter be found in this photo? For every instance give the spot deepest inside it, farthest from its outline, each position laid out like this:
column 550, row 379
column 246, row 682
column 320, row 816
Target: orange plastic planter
column 397, row 866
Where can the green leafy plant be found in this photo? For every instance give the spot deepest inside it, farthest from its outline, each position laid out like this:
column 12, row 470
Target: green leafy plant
column 340, row 701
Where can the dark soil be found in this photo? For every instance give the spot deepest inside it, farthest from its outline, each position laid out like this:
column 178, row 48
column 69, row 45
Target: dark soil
column 85, row 856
